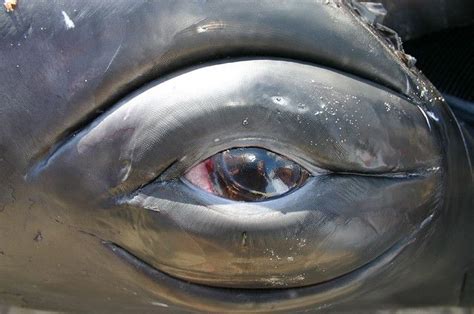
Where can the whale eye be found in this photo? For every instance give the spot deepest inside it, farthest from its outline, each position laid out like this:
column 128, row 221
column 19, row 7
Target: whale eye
column 247, row 174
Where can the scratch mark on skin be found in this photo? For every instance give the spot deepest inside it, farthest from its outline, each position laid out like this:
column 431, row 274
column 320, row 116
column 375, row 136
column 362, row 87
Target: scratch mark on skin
column 12, row 196
column 159, row 304
column 12, row 191
column 369, row 224
column 79, row 230
column 67, row 20
column 113, row 57
column 87, row 233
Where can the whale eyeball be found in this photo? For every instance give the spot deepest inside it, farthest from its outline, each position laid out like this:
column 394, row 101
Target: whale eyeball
column 247, row 174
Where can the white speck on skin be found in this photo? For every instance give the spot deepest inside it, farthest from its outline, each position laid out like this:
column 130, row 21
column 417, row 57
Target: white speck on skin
column 67, row 20
column 201, row 29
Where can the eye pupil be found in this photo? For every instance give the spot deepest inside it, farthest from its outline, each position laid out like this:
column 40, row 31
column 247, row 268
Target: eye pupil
column 247, row 174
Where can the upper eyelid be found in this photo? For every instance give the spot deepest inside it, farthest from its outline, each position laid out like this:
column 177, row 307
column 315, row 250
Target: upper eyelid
column 86, row 122
column 137, row 129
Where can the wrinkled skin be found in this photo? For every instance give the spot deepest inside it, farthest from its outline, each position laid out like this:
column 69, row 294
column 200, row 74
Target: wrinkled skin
column 105, row 106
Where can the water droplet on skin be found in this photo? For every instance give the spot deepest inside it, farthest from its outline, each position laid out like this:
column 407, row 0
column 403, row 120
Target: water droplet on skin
column 432, row 116
column 279, row 100
column 244, row 239
column 245, row 121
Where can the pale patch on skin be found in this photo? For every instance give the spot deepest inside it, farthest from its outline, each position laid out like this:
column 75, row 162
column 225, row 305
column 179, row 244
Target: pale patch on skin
column 67, row 20
column 10, row 5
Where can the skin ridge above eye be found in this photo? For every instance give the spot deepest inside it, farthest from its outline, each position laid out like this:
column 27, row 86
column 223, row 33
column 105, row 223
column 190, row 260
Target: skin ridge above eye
column 114, row 77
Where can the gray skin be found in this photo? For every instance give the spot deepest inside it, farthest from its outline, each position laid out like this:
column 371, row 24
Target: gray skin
column 101, row 118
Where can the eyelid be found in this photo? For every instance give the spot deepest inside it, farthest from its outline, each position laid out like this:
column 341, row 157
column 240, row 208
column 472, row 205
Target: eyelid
column 329, row 120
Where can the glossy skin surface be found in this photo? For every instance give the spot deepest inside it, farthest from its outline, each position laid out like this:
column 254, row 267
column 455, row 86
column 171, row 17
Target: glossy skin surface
column 100, row 122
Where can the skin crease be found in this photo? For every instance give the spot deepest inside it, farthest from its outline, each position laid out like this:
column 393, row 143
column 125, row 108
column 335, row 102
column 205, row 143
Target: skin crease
column 62, row 242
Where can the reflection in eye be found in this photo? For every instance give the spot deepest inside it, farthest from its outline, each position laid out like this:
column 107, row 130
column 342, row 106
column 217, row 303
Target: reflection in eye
column 247, row 174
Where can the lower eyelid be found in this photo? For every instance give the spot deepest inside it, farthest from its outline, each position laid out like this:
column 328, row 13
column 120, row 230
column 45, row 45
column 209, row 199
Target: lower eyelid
column 336, row 222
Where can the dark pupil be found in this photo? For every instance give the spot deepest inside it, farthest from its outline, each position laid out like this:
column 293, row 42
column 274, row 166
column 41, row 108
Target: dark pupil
column 250, row 174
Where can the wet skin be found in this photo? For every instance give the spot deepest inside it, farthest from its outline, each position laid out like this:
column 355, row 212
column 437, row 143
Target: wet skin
column 107, row 106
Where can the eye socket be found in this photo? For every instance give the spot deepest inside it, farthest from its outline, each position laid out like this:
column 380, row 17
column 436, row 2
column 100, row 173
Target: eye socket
column 344, row 218
column 247, row 174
